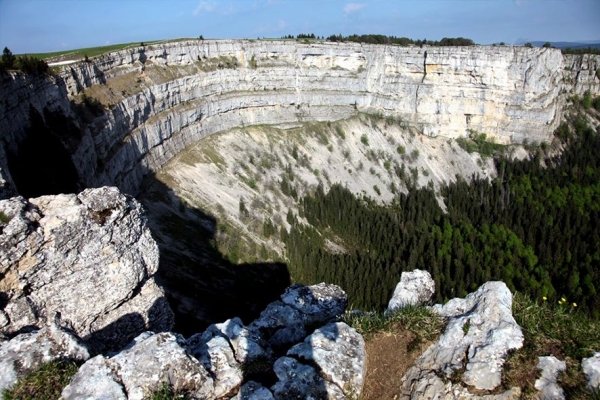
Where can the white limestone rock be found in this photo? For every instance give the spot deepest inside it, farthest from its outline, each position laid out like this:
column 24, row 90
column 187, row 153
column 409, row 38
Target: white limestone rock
column 150, row 361
column 214, row 351
column 547, row 384
column 414, row 289
column 318, row 303
column 591, row 369
column 285, row 322
column 95, row 380
column 339, row 353
column 253, row 391
column 511, row 93
column 247, row 345
column 298, row 381
column 89, row 257
column 431, row 386
column 480, row 332
column 28, row 351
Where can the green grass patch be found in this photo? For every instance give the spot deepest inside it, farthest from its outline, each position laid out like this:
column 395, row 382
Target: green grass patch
column 77, row 54
column 423, row 322
column 479, row 143
column 166, row 392
column 4, row 218
column 554, row 329
column 47, row 382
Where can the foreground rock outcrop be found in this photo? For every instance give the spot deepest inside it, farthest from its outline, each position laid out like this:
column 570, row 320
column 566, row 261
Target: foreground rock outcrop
column 89, row 258
column 415, row 288
column 480, row 332
column 224, row 360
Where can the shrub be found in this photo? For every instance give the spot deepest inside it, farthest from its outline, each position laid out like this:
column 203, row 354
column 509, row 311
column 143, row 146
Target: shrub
column 32, row 65
column 364, row 140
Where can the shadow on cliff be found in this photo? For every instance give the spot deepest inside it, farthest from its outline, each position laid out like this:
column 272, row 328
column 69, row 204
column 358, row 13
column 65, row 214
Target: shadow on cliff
column 201, row 284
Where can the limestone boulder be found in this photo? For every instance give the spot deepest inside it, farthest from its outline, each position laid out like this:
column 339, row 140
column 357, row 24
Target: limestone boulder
column 89, row 257
column 338, row 351
column 591, row 369
column 150, row 361
column 480, row 332
column 547, row 384
column 298, row 381
column 288, row 321
column 414, row 289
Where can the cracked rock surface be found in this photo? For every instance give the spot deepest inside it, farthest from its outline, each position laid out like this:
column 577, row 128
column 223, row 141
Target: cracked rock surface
column 480, row 332
column 89, row 257
column 218, row 363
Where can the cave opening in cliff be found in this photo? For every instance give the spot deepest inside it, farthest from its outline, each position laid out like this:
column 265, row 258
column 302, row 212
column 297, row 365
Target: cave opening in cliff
column 42, row 164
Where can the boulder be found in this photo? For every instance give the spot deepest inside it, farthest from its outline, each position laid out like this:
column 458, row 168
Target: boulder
column 27, row 351
column 480, row 332
column 339, row 354
column 301, row 308
column 298, row 381
column 547, row 384
column 215, row 353
column 150, row 361
column 414, row 289
column 591, row 369
column 89, row 257
column 253, row 391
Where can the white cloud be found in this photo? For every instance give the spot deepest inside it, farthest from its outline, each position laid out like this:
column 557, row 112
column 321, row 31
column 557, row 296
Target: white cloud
column 350, row 8
column 205, row 7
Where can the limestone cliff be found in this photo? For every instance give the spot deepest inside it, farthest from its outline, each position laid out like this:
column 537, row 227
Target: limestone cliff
column 158, row 99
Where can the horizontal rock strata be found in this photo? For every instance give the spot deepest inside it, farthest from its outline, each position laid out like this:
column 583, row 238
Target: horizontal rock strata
column 163, row 97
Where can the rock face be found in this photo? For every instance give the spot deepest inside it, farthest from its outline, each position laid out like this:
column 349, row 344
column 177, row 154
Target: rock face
column 414, row 289
column 547, row 384
column 163, row 97
column 88, row 257
column 591, row 369
column 223, row 360
column 480, row 332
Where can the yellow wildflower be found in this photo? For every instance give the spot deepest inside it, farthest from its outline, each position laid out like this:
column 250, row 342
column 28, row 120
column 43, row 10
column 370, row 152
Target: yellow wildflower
column 574, row 304
column 544, row 298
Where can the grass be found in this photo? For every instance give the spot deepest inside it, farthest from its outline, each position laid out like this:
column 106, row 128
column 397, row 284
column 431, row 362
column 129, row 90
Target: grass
column 166, row 392
column 78, row 54
column 4, row 218
column 423, row 322
column 551, row 329
column 47, row 382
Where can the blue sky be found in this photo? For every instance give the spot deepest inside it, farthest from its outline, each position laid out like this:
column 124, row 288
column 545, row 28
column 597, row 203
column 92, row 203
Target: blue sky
column 52, row 25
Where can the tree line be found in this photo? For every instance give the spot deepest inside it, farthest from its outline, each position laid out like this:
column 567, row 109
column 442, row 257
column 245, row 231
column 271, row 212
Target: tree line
column 26, row 64
column 533, row 227
column 401, row 41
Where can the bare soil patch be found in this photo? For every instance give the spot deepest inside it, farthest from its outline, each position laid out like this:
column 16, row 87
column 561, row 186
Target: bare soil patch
column 389, row 356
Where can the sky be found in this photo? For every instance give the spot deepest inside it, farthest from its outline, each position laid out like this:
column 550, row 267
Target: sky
column 32, row 26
